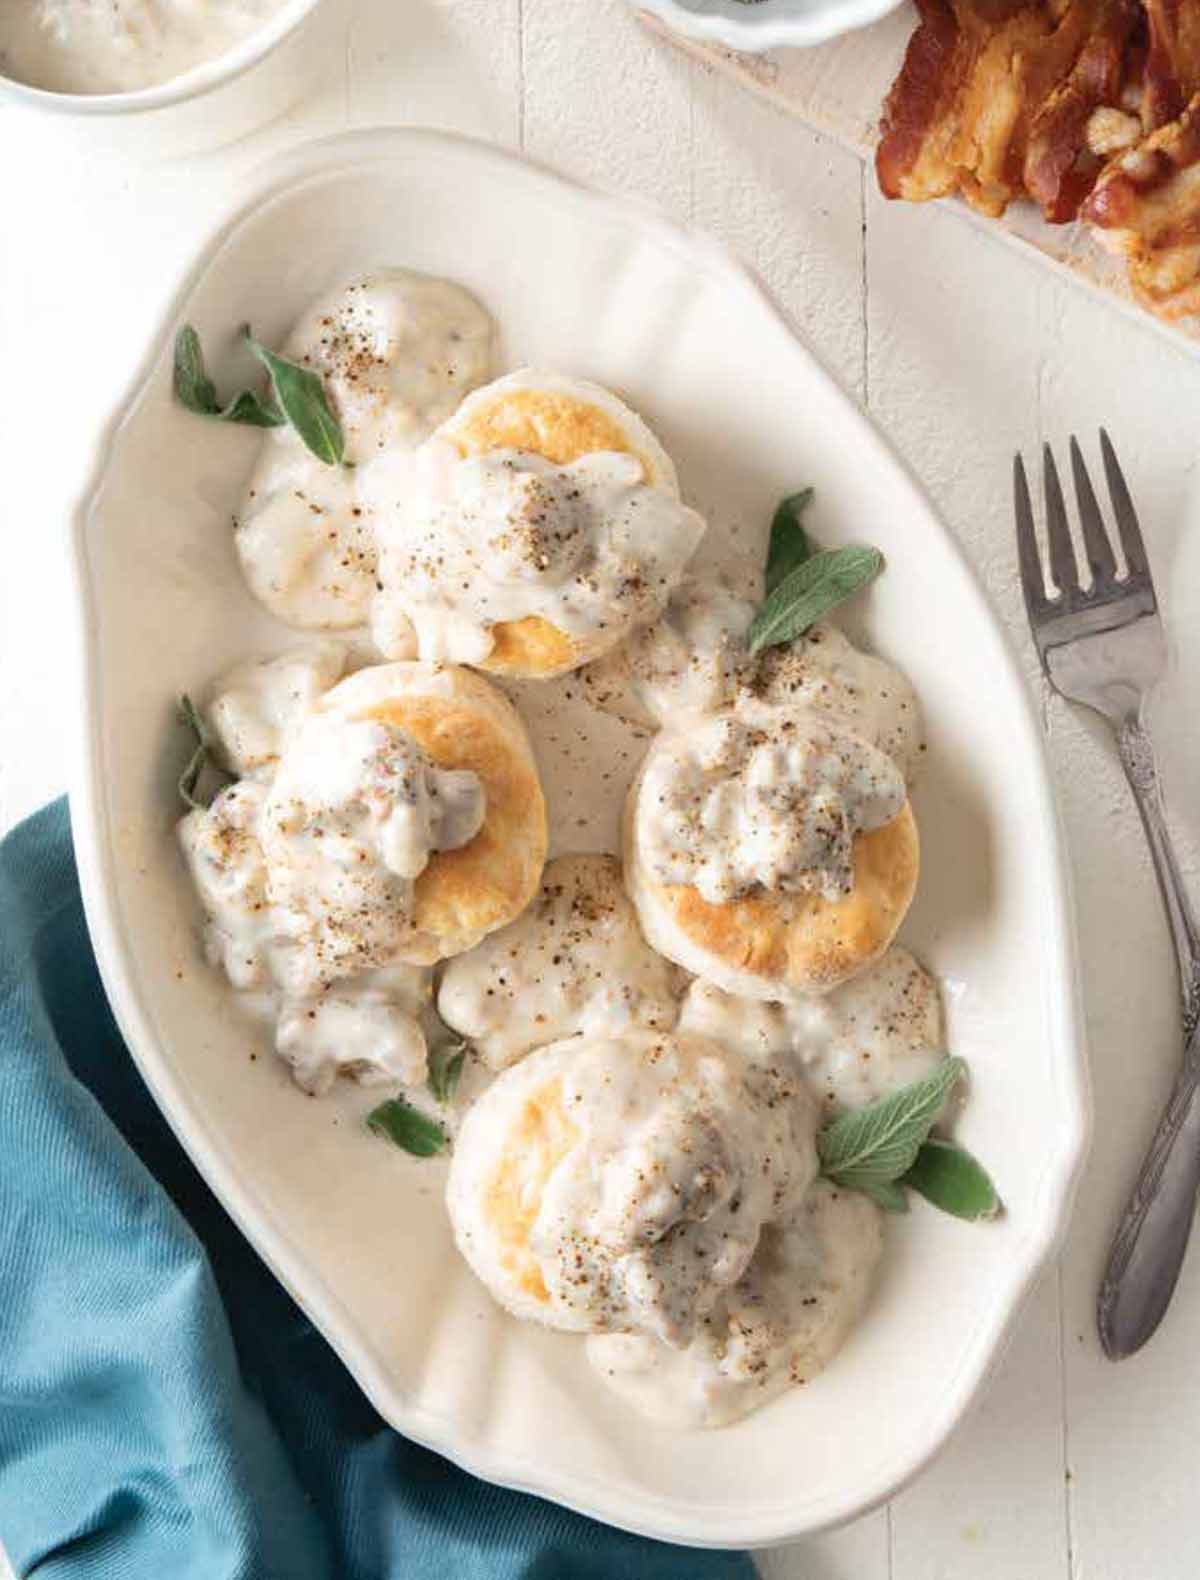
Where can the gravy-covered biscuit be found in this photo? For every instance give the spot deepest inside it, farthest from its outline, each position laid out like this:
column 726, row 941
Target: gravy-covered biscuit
column 443, row 767
column 770, row 851
column 396, row 351
column 609, row 1184
column 533, row 531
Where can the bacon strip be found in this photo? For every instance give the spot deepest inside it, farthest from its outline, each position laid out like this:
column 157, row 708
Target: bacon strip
column 1148, row 204
column 998, row 99
column 1172, row 70
column 993, row 99
column 921, row 100
column 1060, row 170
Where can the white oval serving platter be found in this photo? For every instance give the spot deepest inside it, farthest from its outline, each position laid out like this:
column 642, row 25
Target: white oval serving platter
column 356, row 1230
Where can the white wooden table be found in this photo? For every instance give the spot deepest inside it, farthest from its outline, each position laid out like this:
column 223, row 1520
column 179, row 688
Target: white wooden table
column 963, row 352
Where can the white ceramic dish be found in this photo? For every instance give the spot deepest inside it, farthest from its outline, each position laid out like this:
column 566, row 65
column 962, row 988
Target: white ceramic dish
column 210, row 74
column 753, row 26
column 356, row 1229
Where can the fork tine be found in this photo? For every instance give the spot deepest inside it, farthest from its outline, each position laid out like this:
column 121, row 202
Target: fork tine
column 1063, row 569
column 1127, row 521
column 1032, row 582
column 1100, row 556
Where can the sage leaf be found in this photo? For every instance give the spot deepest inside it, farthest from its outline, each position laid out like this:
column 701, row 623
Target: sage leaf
column 189, row 779
column 886, row 1194
column 195, row 390
column 193, row 387
column 949, row 1177
column 246, row 407
column 446, row 1068
column 878, row 1144
column 789, row 545
column 408, row 1128
column 811, row 590
column 301, row 397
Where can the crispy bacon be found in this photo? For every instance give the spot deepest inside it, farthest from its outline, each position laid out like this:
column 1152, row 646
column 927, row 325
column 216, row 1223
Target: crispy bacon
column 1147, row 202
column 947, row 120
column 992, row 94
column 1171, row 76
column 922, row 99
column 1060, row 168
column 998, row 99
column 1015, row 68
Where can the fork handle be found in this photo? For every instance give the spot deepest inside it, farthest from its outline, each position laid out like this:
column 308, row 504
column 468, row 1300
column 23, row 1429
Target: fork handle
column 1151, row 1239
column 1137, row 758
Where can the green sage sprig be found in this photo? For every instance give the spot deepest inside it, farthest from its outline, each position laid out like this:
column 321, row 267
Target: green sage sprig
column 789, row 545
column 195, row 390
column 446, row 1062
column 804, row 582
column 950, row 1178
column 201, row 758
column 408, row 1128
column 809, row 591
column 405, row 1125
column 302, row 399
column 885, row 1148
column 297, row 396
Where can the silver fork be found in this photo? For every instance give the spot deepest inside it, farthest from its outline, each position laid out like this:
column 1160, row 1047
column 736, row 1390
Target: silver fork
column 1103, row 645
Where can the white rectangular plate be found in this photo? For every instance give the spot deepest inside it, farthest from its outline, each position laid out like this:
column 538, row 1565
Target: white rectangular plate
column 355, row 1229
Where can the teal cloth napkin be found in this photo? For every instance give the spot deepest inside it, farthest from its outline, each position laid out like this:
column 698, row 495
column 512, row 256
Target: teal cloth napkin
column 166, row 1411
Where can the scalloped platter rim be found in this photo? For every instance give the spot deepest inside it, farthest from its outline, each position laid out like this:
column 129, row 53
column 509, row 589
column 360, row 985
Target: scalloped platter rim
column 602, row 287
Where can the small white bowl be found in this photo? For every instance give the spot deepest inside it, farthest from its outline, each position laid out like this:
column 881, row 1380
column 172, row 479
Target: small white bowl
column 753, row 26
column 136, row 110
